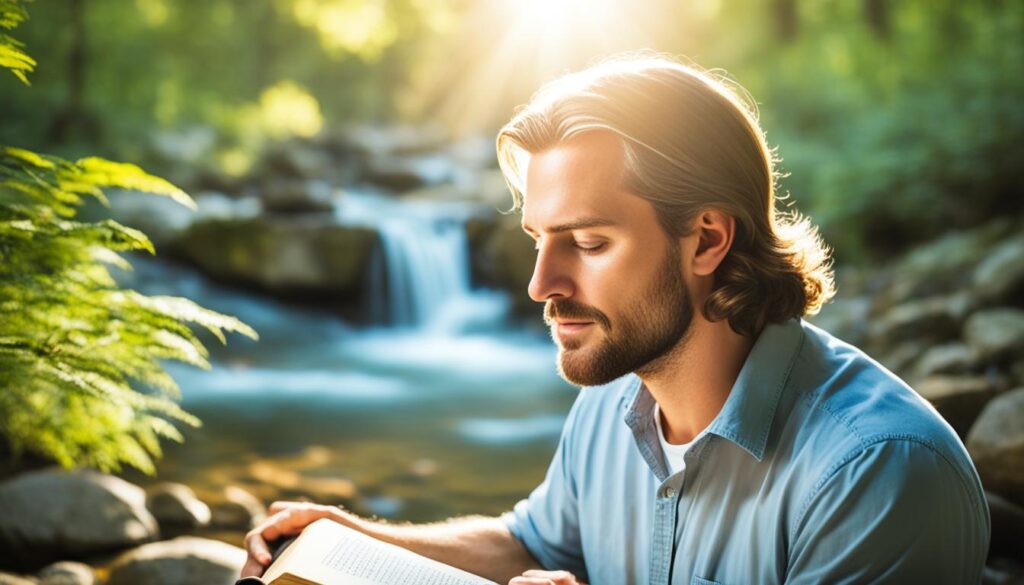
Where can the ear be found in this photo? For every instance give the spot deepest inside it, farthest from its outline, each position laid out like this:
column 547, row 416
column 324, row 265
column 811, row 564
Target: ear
column 715, row 231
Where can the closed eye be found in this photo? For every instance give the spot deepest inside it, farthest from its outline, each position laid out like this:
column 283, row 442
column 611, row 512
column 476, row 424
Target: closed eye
column 589, row 248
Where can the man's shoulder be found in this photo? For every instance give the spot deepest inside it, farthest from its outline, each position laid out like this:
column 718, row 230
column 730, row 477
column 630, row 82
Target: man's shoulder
column 856, row 402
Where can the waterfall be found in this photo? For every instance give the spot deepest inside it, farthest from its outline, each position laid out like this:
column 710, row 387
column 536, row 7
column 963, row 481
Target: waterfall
column 424, row 270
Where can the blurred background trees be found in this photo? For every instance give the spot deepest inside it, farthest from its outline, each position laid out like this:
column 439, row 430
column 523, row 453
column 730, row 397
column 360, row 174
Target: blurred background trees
column 896, row 121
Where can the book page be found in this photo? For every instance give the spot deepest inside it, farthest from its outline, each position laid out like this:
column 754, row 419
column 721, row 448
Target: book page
column 344, row 555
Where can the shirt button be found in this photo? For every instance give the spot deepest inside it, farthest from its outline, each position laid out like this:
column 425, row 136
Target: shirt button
column 669, row 492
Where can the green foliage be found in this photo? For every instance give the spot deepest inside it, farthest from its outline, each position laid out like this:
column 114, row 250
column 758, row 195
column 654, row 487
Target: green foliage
column 81, row 378
column 12, row 56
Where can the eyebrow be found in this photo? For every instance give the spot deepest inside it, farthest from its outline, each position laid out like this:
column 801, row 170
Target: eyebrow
column 576, row 224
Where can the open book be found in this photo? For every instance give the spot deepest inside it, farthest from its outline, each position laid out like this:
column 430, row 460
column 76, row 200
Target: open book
column 329, row 553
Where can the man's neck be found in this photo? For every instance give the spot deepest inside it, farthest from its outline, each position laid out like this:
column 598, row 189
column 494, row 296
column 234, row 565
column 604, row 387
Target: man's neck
column 692, row 383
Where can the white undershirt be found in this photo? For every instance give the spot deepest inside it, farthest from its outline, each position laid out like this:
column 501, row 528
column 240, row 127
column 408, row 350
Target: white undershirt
column 673, row 453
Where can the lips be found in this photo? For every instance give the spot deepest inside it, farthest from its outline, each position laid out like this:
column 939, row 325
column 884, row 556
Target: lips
column 571, row 327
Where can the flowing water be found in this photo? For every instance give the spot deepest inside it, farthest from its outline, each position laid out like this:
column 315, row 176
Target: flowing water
column 443, row 410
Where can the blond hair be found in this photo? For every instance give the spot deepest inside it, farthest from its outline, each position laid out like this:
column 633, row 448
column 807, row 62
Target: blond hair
column 692, row 142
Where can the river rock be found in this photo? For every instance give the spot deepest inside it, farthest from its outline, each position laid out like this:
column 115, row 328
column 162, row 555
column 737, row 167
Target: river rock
column 175, row 504
column 930, row 319
column 66, row 573
column 402, row 173
column 161, row 218
column 507, row 260
column 959, row 399
column 12, row 579
column 298, row 159
column 949, row 358
column 938, row 267
column 1007, row 526
column 287, row 255
column 996, row 334
column 846, row 318
column 239, row 510
column 900, row 359
column 298, row 196
column 52, row 514
column 1000, row 276
column 996, row 444
column 185, row 560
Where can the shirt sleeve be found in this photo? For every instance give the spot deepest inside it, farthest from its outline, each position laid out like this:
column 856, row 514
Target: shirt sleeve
column 896, row 511
column 547, row 521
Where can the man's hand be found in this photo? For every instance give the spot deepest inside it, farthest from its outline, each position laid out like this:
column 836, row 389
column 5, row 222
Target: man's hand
column 286, row 519
column 546, row 578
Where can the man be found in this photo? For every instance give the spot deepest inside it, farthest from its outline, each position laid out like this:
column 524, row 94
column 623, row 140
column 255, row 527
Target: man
column 726, row 440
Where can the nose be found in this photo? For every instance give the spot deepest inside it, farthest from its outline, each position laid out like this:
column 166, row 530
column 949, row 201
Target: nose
column 551, row 279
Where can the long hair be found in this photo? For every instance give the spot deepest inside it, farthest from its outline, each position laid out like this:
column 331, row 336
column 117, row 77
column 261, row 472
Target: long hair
column 692, row 142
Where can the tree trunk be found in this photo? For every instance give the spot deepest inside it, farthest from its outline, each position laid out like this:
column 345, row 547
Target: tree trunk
column 786, row 25
column 876, row 13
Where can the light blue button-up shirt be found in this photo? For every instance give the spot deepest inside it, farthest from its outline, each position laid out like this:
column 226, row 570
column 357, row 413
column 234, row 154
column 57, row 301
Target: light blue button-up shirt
column 822, row 467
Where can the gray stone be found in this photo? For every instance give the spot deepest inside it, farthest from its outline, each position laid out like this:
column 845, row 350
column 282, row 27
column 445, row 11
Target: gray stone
column 900, row 359
column 67, row 573
column 298, row 196
column 286, row 254
column 949, row 358
column 407, row 173
column 938, row 267
column 12, row 579
column 184, row 560
column 996, row 444
column 1000, row 276
column 175, row 504
column 959, row 399
column 298, row 159
column 238, row 510
column 1007, row 526
column 995, row 334
column 1017, row 372
column 53, row 514
column 928, row 319
column 846, row 318
column 503, row 257
column 161, row 218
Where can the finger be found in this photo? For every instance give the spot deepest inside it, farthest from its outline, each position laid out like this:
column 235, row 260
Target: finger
column 252, row 568
column 257, row 548
column 557, row 577
column 283, row 505
column 289, row 522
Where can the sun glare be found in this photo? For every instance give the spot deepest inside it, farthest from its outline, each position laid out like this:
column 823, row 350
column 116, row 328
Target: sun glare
column 508, row 48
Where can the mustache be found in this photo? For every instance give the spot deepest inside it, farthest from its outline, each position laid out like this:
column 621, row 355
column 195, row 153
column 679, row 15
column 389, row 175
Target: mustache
column 567, row 309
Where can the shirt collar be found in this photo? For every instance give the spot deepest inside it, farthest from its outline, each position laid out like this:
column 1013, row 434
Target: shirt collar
column 747, row 415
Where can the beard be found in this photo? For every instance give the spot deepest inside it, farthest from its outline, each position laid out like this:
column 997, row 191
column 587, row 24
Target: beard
column 649, row 329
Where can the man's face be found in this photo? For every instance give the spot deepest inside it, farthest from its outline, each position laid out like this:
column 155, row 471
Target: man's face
column 611, row 280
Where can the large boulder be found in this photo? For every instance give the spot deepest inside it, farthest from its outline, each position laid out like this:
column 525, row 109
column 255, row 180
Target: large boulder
column 185, row 560
column 1007, row 526
column 996, row 444
column 51, row 515
column 932, row 319
column 999, row 278
column 502, row 256
column 959, row 399
column 66, row 573
column 948, row 358
column 291, row 256
column 238, row 510
column 996, row 334
column 12, row 579
column 938, row 267
column 298, row 196
column 175, row 504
